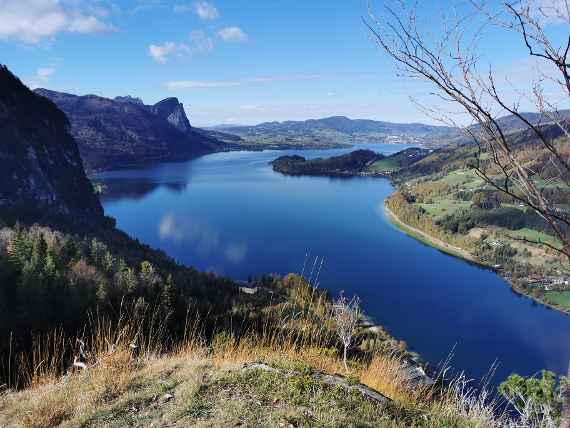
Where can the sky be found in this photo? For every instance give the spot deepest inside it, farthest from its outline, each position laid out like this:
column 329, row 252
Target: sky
column 227, row 61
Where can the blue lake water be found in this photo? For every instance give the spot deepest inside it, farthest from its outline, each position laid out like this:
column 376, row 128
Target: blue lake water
column 231, row 214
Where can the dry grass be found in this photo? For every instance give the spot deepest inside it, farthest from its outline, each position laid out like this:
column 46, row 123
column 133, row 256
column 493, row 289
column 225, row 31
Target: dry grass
column 122, row 390
column 132, row 379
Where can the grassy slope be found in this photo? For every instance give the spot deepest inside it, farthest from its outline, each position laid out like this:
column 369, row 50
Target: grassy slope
column 559, row 298
column 199, row 380
column 384, row 165
column 198, row 386
column 463, row 179
column 445, row 169
column 430, row 240
column 186, row 390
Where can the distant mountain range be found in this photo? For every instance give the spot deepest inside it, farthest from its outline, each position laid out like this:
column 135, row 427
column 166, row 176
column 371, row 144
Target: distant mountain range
column 348, row 126
column 124, row 132
column 341, row 129
column 513, row 124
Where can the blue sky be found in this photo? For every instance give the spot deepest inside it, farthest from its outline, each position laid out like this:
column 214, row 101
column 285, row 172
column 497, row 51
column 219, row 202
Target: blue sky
column 228, row 61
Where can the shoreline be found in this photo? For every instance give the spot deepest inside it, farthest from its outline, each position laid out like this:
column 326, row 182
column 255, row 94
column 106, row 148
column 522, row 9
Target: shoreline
column 432, row 241
column 460, row 253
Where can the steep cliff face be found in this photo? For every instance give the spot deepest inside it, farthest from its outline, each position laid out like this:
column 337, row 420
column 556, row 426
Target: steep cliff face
column 123, row 133
column 173, row 111
column 41, row 173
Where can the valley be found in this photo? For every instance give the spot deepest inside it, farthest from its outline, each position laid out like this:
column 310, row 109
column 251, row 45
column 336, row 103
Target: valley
column 235, row 215
column 217, row 213
column 249, row 220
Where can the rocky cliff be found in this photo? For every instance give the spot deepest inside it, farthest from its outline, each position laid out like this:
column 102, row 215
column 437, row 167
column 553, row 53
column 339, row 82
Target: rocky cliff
column 41, row 173
column 123, row 132
column 173, row 111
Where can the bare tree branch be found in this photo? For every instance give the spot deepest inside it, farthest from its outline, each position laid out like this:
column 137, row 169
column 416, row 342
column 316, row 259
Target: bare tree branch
column 450, row 65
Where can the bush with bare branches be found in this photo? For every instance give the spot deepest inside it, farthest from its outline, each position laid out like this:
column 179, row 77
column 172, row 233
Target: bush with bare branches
column 347, row 315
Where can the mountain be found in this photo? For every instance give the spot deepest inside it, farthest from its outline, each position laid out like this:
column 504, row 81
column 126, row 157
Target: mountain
column 343, row 129
column 41, row 173
column 347, row 126
column 335, row 130
column 512, row 123
column 124, row 132
column 129, row 99
column 172, row 111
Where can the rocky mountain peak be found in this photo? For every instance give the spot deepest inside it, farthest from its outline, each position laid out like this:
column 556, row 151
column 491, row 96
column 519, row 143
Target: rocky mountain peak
column 173, row 111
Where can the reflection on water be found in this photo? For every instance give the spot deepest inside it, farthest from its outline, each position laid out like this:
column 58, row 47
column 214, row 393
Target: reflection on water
column 229, row 213
column 117, row 189
column 202, row 237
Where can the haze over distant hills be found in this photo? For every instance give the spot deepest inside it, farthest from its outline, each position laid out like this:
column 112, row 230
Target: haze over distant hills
column 341, row 129
column 349, row 126
column 123, row 132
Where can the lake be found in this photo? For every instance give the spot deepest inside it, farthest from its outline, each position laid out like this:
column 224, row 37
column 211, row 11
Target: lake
column 229, row 213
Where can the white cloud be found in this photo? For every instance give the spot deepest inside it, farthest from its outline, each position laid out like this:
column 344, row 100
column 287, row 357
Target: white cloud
column 195, row 84
column 147, row 5
column 205, row 10
column 164, row 52
column 232, row 34
column 44, row 73
column 41, row 77
column 208, row 84
column 281, row 78
column 87, row 24
column 32, row 21
column 199, row 43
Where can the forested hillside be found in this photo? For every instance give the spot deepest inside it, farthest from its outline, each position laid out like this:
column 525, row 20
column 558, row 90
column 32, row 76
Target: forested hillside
column 443, row 195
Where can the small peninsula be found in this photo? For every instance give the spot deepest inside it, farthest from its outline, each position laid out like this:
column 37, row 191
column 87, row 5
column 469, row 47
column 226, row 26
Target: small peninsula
column 358, row 162
column 350, row 164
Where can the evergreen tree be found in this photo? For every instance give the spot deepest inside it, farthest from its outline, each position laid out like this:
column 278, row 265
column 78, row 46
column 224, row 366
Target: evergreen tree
column 39, row 252
column 168, row 295
column 69, row 251
column 108, row 263
column 19, row 248
column 50, row 268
